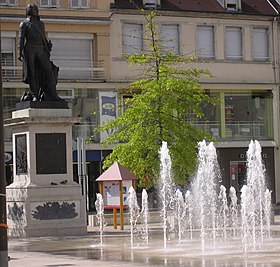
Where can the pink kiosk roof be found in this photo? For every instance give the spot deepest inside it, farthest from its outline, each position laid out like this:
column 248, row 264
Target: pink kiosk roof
column 116, row 172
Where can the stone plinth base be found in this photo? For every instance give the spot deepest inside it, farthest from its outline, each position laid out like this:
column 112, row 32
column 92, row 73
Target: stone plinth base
column 43, row 200
column 55, row 210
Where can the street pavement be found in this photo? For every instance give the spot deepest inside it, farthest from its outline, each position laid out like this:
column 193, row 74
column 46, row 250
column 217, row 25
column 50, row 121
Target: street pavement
column 86, row 251
column 61, row 251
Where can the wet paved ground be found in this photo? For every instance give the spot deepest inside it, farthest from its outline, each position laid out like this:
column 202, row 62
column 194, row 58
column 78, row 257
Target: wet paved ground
column 116, row 251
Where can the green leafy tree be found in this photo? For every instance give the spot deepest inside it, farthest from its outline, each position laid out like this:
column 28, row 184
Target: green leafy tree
column 169, row 97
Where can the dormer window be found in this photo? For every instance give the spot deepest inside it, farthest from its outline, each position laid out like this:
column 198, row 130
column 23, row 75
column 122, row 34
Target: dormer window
column 232, row 5
column 151, row 3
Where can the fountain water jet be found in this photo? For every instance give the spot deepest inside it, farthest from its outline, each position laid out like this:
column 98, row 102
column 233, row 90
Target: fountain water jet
column 145, row 214
column 99, row 205
column 166, row 187
column 233, row 210
column 133, row 212
column 205, row 207
column 204, row 190
column 189, row 212
column 253, row 198
column 223, row 212
column 179, row 213
column 228, row 217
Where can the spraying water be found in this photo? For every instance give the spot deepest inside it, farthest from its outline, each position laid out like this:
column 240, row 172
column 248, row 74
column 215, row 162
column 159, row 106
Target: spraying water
column 267, row 211
column 233, row 210
column 204, row 208
column 179, row 213
column 144, row 215
column 204, row 191
column 133, row 212
column 223, row 211
column 189, row 212
column 99, row 205
column 165, row 188
column 245, row 230
column 253, row 197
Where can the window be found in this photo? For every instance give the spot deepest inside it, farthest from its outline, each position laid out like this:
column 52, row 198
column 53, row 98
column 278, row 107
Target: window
column 72, row 53
column 132, row 38
column 233, row 43
column 8, row 55
column 49, row 3
column 8, row 2
column 260, row 44
column 79, row 3
column 150, row 3
column 170, row 38
column 248, row 115
column 232, row 5
column 84, row 104
column 239, row 116
column 205, row 42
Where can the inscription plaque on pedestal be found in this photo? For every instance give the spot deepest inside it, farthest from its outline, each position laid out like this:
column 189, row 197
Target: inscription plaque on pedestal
column 21, row 154
column 51, row 153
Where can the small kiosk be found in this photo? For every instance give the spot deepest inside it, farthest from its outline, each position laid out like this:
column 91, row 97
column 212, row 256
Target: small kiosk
column 114, row 184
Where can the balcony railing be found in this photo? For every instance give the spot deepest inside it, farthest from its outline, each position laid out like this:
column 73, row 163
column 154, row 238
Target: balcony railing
column 90, row 70
column 240, row 130
column 233, row 131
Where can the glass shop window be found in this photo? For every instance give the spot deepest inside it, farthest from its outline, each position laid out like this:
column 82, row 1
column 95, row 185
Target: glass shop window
column 248, row 115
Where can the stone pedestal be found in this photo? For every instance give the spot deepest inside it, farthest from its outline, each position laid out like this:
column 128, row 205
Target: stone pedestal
column 43, row 200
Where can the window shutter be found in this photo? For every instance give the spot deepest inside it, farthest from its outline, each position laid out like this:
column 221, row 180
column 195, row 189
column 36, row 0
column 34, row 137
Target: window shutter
column 54, row 3
column 132, row 38
column 7, row 45
column 205, row 42
column 8, row 55
column 74, row 3
column 71, row 55
column 44, row 2
column 260, row 44
column 233, row 47
column 170, row 38
column 84, row 3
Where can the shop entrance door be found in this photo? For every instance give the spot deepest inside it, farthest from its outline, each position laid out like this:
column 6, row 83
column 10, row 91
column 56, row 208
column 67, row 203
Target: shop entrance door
column 238, row 175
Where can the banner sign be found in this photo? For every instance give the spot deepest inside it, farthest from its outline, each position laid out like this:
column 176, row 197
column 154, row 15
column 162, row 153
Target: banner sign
column 108, row 110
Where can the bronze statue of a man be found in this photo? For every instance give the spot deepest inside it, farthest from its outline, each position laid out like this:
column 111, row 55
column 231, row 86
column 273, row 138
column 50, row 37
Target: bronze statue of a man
column 34, row 51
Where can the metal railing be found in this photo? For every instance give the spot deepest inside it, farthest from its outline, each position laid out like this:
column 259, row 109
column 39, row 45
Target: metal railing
column 233, row 131
column 68, row 70
column 239, row 130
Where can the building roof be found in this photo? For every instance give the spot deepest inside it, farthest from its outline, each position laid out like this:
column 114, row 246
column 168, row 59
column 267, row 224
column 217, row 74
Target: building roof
column 276, row 4
column 116, row 173
column 265, row 7
column 258, row 7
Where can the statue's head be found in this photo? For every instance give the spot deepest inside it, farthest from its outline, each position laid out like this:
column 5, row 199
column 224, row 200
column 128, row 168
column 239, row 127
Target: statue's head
column 32, row 10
